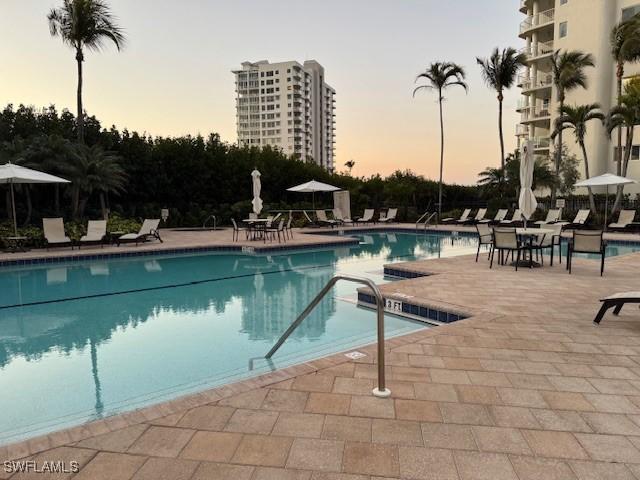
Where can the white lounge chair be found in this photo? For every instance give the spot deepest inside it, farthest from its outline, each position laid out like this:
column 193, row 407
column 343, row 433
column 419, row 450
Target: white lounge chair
column 96, row 231
column 54, row 233
column 516, row 218
column 390, row 216
column 500, row 216
column 553, row 215
column 463, row 218
column 625, row 219
column 337, row 214
column 580, row 219
column 479, row 216
column 148, row 230
column 321, row 215
column 367, row 216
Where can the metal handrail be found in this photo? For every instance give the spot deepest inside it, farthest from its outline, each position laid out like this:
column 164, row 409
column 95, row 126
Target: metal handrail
column 426, row 222
column 381, row 390
column 204, row 225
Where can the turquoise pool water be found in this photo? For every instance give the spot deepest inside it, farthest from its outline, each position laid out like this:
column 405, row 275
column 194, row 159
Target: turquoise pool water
column 89, row 339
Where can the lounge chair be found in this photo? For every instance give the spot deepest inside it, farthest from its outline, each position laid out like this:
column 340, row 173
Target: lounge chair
column 549, row 240
column 625, row 220
column 321, row 215
column 148, row 231
column 312, row 223
column 579, row 221
column 500, row 216
column 236, row 231
column 96, row 232
column 485, row 237
column 54, row 233
column 479, row 216
column 587, row 241
column 463, row 218
column 617, row 301
column 367, row 216
column 516, row 219
column 390, row 216
column 337, row 214
column 553, row 215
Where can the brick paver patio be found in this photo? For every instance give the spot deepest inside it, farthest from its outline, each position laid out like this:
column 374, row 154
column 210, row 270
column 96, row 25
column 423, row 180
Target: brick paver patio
column 527, row 388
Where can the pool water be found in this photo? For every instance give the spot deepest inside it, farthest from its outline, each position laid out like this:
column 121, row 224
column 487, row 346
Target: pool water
column 84, row 340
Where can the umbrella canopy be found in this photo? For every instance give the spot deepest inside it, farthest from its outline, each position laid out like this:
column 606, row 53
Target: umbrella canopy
column 605, row 180
column 313, row 186
column 257, row 186
column 527, row 201
column 10, row 173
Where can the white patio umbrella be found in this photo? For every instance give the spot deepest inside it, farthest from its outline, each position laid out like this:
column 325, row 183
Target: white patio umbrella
column 11, row 173
column 605, row 180
column 527, row 201
column 313, row 187
column 257, row 187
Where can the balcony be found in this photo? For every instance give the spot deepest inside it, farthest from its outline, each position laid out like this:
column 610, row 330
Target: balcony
column 541, row 143
column 542, row 81
column 523, row 6
column 523, row 104
column 533, row 114
column 539, row 20
column 522, row 130
column 538, row 50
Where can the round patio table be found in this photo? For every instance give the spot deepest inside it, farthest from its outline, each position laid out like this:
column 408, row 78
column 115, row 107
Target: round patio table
column 257, row 226
column 529, row 234
column 16, row 244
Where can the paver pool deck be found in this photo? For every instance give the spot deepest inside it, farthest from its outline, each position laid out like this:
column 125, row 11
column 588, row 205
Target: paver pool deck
column 526, row 388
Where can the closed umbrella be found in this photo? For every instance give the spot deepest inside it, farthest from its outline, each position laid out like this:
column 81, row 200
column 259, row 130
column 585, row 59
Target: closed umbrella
column 257, row 187
column 527, row 201
column 605, row 180
column 313, row 187
column 11, row 173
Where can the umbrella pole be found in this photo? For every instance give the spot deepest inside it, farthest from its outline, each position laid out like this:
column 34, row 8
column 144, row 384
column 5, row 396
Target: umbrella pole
column 13, row 211
column 606, row 209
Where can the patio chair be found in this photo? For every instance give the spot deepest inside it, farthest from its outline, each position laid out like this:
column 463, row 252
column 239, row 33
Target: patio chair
column 236, row 231
column 321, row 215
column 516, row 219
column 500, row 215
column 96, row 232
column 390, row 216
column 506, row 240
column 485, row 237
column 579, row 221
column 616, row 301
column 549, row 240
column 625, row 220
column 148, row 230
column 337, row 214
column 367, row 216
column 277, row 230
column 480, row 214
column 587, row 241
column 463, row 217
column 54, row 233
column 312, row 223
column 553, row 215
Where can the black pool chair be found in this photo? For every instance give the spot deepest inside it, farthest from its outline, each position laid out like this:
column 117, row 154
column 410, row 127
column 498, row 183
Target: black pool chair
column 616, row 301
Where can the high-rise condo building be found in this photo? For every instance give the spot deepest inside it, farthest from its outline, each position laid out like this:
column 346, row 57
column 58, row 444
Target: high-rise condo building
column 287, row 105
column 573, row 25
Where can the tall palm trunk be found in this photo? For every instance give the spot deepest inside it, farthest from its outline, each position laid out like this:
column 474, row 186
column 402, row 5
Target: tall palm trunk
column 80, row 118
column 620, row 188
column 592, row 203
column 56, row 198
column 27, row 193
column 441, row 155
column 558, row 159
column 623, row 170
column 75, row 202
column 500, row 99
column 103, row 206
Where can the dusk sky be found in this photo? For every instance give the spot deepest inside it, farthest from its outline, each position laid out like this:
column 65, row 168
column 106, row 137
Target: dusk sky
column 174, row 76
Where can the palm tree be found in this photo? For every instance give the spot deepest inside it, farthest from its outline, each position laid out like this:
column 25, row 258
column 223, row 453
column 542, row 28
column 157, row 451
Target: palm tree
column 625, row 47
column 92, row 169
column 440, row 76
column 568, row 73
column 499, row 73
column 625, row 115
column 350, row 164
column 576, row 118
column 84, row 24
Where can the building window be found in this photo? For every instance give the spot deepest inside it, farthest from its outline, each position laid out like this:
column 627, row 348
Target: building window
column 562, row 2
column 629, row 12
column 635, row 153
column 563, row 29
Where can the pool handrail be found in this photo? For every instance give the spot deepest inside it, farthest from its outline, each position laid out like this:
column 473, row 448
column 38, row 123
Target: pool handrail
column 427, row 221
column 381, row 390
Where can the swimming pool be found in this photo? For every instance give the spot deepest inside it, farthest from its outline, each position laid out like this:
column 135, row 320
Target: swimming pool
column 84, row 340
